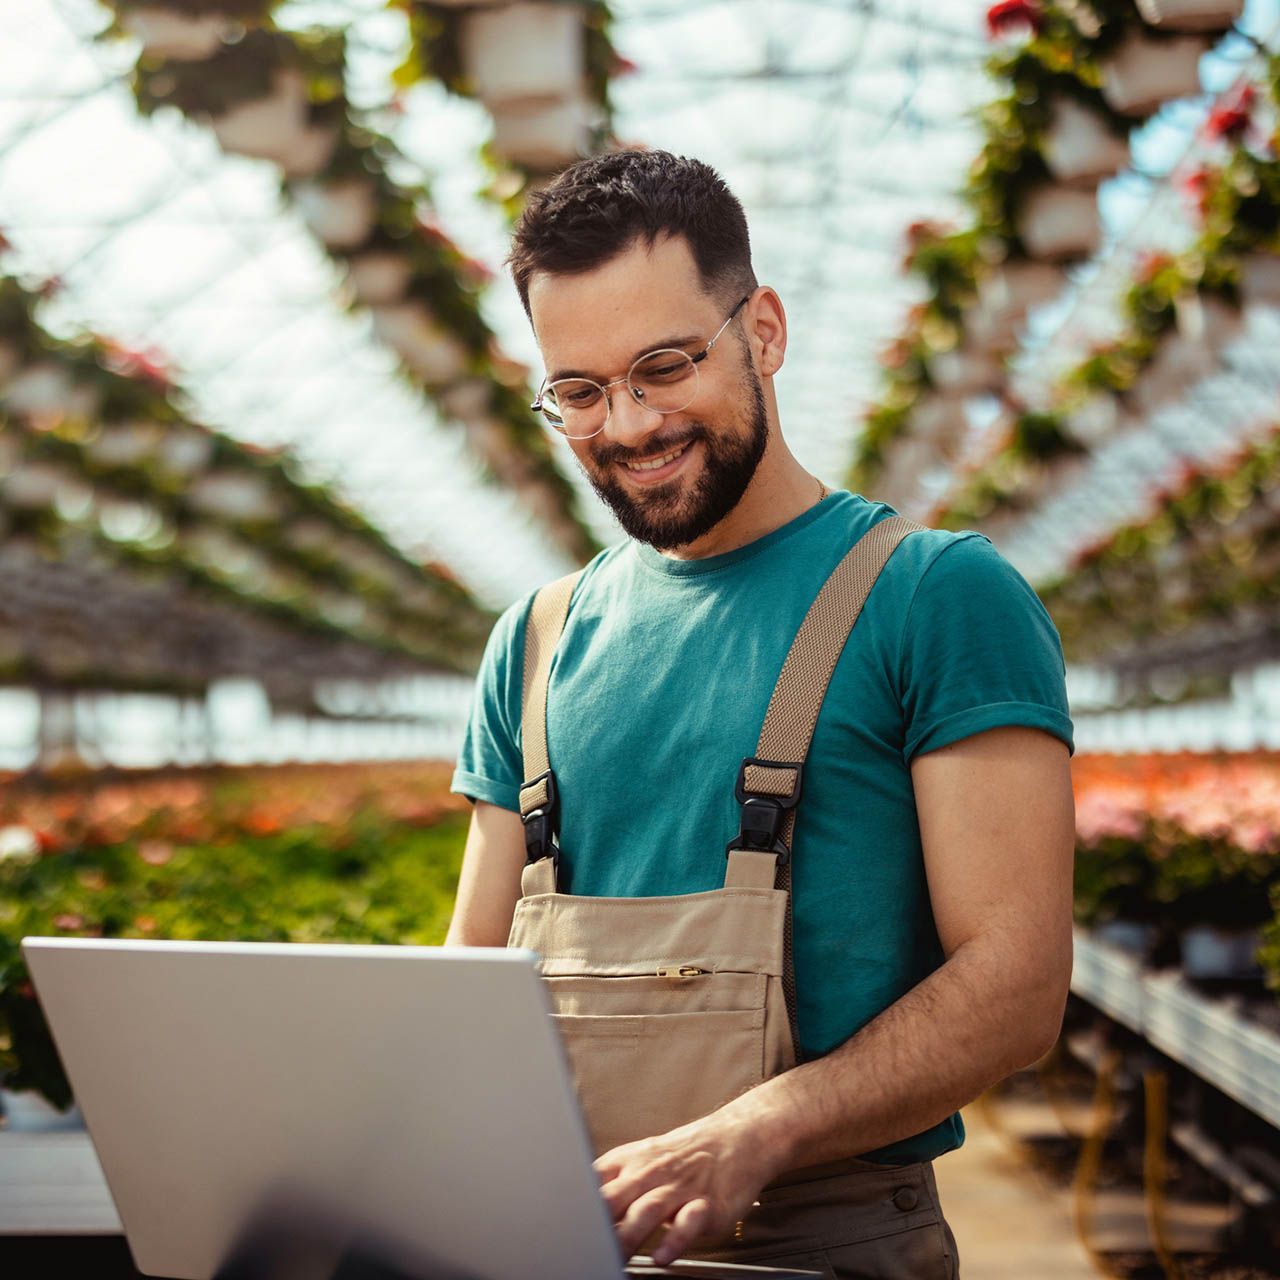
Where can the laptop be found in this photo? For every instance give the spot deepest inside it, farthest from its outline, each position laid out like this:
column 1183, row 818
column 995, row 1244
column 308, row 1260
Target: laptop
column 420, row 1092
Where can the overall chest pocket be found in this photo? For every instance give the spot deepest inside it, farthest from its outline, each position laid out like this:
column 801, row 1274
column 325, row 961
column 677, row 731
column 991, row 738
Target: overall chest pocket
column 651, row 1052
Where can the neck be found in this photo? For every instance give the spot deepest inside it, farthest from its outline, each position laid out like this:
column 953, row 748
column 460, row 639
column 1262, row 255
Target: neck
column 774, row 497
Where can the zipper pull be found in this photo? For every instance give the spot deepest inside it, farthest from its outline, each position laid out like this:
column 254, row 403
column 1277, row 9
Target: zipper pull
column 682, row 971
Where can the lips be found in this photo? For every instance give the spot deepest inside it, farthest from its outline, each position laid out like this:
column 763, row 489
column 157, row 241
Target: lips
column 669, row 463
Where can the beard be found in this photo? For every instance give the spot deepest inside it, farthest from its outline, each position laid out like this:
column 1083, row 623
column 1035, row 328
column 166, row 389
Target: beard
column 665, row 516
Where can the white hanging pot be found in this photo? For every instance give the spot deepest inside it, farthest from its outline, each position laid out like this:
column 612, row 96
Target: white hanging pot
column 434, row 354
column 308, row 533
column 940, row 420
column 1059, row 224
column 1207, row 319
column 186, row 451
column 1051, row 475
column 123, row 444
column 966, row 370
column 234, row 495
column 1017, row 286
column 1260, row 280
column 48, row 388
column 310, row 152
column 1096, row 419
column 1191, row 15
column 1143, row 72
column 467, row 398
column 379, row 276
column 1078, row 146
column 1177, row 365
column 341, row 214
column 41, row 486
column 542, row 137
column 523, row 51
column 907, row 457
column 165, row 33
column 268, row 127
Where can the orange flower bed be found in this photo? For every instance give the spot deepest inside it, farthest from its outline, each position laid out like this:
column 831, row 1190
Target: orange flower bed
column 205, row 805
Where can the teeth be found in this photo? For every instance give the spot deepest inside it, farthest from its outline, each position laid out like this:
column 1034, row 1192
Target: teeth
column 657, row 462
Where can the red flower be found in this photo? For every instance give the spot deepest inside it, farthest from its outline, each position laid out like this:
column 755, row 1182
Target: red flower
column 1230, row 118
column 147, row 363
column 432, row 232
column 1149, row 263
column 1198, row 186
column 1008, row 16
column 621, row 66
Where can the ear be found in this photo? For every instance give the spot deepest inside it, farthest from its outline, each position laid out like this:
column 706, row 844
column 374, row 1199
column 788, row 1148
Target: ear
column 765, row 323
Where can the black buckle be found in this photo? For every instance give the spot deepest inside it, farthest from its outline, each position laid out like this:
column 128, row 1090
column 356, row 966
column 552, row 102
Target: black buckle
column 762, row 814
column 541, row 825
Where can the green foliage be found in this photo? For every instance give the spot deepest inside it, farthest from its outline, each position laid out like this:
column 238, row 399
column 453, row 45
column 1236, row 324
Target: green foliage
column 375, row 881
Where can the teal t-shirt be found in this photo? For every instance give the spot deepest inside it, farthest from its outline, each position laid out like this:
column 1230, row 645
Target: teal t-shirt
column 658, row 690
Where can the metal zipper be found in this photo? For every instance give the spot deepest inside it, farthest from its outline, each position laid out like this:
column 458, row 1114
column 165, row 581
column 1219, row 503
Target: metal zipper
column 681, row 971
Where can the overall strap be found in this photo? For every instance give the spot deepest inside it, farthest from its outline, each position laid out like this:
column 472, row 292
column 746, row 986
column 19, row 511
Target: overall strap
column 769, row 783
column 539, row 799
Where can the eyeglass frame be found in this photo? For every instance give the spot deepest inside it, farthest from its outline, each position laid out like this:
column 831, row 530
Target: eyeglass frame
column 695, row 360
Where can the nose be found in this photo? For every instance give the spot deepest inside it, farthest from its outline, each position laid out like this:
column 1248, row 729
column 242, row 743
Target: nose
column 631, row 421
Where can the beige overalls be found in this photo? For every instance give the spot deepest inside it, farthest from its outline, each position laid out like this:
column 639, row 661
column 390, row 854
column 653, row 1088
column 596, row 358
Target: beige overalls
column 671, row 1006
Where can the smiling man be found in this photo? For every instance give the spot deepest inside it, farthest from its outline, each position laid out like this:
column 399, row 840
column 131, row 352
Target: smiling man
column 779, row 973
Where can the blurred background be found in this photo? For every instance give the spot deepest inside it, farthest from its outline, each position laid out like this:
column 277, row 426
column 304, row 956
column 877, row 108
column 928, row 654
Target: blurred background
column 268, row 474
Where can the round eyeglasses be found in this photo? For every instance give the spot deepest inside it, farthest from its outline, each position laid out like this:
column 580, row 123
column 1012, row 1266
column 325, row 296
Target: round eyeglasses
column 665, row 381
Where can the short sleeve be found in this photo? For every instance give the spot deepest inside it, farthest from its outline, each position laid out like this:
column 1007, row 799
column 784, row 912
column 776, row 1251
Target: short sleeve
column 978, row 650
column 490, row 765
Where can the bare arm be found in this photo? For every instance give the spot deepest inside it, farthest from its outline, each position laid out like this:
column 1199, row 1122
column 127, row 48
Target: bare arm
column 489, row 884
column 997, row 821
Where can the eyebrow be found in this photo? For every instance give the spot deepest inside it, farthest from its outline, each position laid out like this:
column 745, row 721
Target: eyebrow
column 660, row 345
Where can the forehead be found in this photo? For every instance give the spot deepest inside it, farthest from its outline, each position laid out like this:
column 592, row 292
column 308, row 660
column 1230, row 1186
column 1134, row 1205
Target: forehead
column 599, row 320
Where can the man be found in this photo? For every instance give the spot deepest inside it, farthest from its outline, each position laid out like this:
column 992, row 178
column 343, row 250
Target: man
column 932, row 869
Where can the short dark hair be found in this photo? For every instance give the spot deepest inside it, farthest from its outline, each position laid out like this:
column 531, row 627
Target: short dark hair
column 598, row 207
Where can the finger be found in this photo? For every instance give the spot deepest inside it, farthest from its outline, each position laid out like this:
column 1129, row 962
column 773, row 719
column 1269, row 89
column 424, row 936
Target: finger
column 631, row 1182
column 685, row 1227
column 647, row 1212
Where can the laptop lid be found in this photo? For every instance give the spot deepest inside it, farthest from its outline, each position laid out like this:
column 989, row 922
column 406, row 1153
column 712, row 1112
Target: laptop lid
column 216, row 1076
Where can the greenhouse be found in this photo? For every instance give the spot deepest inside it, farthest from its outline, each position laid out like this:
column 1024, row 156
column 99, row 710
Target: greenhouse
column 640, row 639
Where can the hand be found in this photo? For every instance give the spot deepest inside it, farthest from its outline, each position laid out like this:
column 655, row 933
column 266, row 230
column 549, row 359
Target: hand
column 696, row 1180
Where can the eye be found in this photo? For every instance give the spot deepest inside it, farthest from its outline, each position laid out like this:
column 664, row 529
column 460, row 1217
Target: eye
column 664, row 366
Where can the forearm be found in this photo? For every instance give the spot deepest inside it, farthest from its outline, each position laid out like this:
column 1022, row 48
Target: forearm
column 972, row 1022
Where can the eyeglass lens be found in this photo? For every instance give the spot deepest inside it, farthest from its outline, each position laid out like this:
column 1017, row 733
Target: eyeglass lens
column 664, row 381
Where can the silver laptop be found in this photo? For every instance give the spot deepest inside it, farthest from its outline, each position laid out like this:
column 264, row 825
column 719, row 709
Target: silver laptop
column 420, row 1091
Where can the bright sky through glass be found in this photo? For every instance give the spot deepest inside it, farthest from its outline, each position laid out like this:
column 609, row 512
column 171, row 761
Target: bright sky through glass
column 837, row 124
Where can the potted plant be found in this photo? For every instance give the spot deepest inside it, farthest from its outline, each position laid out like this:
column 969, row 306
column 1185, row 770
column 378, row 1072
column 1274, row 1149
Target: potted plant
column 1059, row 224
column 167, row 33
column 341, row 213
column 1191, row 15
column 1080, row 146
column 430, row 350
column 1143, row 71
column 529, row 51
column 967, row 369
column 542, row 137
column 1260, row 280
column 379, row 276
